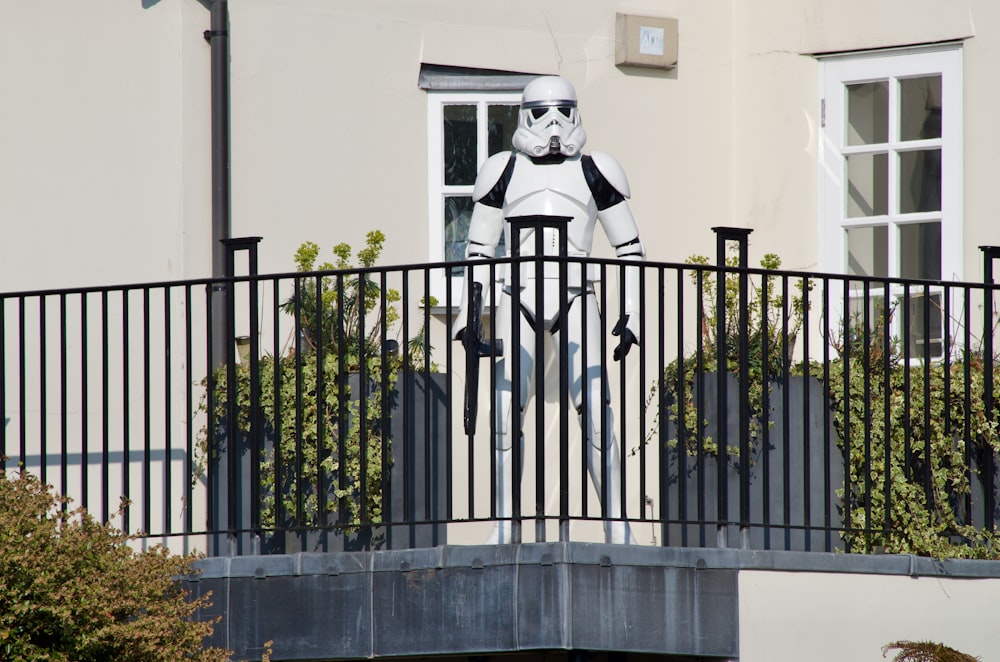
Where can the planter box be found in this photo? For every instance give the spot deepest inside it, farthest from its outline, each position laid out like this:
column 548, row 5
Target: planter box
column 795, row 467
column 417, row 481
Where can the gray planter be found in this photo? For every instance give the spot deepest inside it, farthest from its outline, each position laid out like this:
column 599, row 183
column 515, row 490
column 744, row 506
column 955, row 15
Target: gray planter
column 794, row 469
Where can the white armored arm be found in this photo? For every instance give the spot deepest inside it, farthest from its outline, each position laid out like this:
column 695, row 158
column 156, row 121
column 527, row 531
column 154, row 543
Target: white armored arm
column 485, row 228
column 623, row 233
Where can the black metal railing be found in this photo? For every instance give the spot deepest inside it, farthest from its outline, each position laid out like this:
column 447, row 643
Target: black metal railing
column 763, row 408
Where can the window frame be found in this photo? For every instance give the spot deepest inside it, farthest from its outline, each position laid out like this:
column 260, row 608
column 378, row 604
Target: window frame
column 437, row 190
column 836, row 73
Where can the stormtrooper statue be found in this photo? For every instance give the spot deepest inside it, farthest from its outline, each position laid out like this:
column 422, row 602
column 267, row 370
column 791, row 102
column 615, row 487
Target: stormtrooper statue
column 548, row 175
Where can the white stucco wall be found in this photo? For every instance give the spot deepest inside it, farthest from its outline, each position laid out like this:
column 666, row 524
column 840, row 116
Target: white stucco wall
column 103, row 145
column 793, row 616
column 329, row 125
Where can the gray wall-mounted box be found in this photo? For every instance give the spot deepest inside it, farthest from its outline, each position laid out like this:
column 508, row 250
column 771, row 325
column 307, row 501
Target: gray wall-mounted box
column 645, row 41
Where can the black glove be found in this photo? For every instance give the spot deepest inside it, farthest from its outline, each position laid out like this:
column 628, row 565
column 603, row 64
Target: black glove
column 628, row 338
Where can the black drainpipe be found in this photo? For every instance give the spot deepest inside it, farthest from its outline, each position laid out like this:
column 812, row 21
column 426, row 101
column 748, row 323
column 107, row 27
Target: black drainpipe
column 218, row 37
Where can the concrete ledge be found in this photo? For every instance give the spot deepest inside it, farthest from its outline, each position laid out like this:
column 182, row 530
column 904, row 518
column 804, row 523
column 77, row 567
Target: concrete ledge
column 483, row 600
column 476, row 601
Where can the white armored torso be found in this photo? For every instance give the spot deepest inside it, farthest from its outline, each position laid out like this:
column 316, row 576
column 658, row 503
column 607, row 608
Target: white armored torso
column 584, row 189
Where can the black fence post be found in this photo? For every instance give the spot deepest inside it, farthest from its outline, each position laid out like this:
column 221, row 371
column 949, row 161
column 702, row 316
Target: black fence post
column 990, row 253
column 723, row 236
column 241, row 508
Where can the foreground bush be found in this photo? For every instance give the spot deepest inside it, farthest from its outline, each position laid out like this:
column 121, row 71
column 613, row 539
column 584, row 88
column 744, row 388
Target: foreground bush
column 72, row 589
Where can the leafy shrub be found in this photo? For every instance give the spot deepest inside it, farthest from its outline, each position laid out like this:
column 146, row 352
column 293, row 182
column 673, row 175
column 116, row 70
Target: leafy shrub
column 73, row 589
column 328, row 457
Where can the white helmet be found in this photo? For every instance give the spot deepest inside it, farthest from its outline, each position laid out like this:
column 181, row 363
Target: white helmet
column 549, row 121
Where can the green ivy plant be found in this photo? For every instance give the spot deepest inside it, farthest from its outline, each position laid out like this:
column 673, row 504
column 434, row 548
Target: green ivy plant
column 927, row 470
column 328, row 457
column 926, row 475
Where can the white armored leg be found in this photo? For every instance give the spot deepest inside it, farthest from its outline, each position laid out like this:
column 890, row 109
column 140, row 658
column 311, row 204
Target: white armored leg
column 506, row 429
column 591, row 397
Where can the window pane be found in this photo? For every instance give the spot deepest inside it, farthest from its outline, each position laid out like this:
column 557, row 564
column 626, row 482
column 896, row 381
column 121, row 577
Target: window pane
column 460, row 164
column 867, row 251
column 920, row 250
column 502, row 124
column 920, row 108
column 920, row 181
column 867, row 185
column 925, row 311
column 868, row 113
column 457, row 213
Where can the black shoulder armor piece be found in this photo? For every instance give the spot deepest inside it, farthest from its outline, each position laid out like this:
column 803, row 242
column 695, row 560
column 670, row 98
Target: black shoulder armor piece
column 605, row 195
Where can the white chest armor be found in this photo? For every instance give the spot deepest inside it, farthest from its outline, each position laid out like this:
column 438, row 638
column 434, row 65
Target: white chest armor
column 552, row 190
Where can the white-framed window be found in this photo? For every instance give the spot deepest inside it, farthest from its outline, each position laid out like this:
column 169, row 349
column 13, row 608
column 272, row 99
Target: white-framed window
column 891, row 180
column 464, row 129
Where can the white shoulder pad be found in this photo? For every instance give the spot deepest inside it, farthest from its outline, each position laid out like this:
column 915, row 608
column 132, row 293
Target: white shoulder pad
column 489, row 175
column 612, row 171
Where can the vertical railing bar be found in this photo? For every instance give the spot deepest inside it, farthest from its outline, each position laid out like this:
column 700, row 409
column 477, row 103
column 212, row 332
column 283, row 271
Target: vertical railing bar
column 126, row 410
column 147, row 429
column 721, row 395
column 538, row 366
column 189, row 403
column 642, row 409
column 847, row 441
column 167, row 415
column 744, row 395
column 363, row 404
column 827, row 415
column 84, row 404
column 277, row 360
column 105, row 406
column 700, row 412
column 43, row 414
column 343, row 395
column 470, row 441
column 887, row 395
column 786, row 419
column 967, row 400
column 605, row 396
column 765, row 408
column 663, row 414
column 256, row 388
column 409, row 495
column 806, row 419
column 384, row 421
column 296, row 477
column 63, row 401
column 430, row 513
column 682, row 432
column 492, row 462
column 321, row 414
column 989, row 254
column 23, row 385
column 946, row 348
column 449, row 471
column 516, row 429
column 585, row 403
column 564, row 383
column 866, row 362
column 907, row 336
column 929, row 459
column 622, row 406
